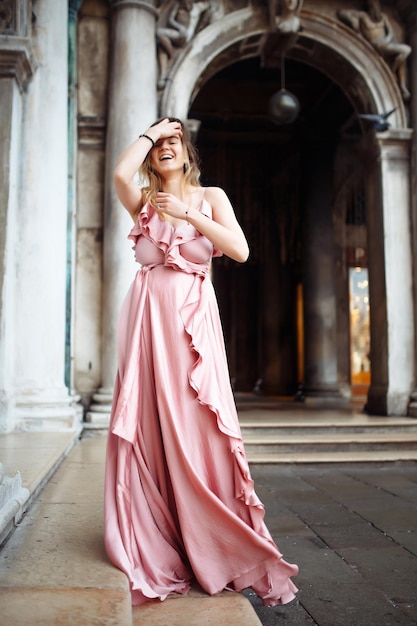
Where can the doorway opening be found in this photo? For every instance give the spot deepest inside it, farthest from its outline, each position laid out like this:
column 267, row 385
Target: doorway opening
column 265, row 169
column 360, row 365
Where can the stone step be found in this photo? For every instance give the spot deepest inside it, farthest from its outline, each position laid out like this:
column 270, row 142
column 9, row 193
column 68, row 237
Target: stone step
column 198, row 609
column 54, row 570
column 337, row 456
column 316, row 436
column 323, row 420
column 304, row 430
column 331, row 442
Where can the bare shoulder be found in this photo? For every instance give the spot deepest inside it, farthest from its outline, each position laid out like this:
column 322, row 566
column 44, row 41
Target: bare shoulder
column 222, row 209
column 215, row 194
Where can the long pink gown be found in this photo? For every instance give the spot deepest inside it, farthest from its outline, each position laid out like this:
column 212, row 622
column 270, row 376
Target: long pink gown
column 180, row 503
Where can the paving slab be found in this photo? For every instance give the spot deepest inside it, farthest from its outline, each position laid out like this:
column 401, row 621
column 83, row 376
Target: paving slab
column 316, row 561
column 29, row 459
column 197, row 609
column 352, row 571
column 64, row 607
column 408, row 607
column 403, row 486
column 387, row 514
column 353, row 604
column 75, row 482
column 292, row 614
column 392, row 569
column 340, row 486
column 351, row 534
column 406, row 538
column 17, row 453
column 93, row 449
column 59, row 545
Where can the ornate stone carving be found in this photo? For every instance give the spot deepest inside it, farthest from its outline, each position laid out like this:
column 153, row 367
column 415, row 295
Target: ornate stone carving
column 179, row 21
column 284, row 15
column 284, row 27
column 16, row 54
column 375, row 27
column 8, row 17
column 13, row 498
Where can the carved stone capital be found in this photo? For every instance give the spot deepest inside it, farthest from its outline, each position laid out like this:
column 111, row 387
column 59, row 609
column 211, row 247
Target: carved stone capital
column 17, row 59
column 394, row 144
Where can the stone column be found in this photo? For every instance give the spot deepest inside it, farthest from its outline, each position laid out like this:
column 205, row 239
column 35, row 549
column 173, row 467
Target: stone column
column 408, row 9
column 42, row 400
column 10, row 124
column 16, row 69
column 17, row 65
column 132, row 107
column 390, row 274
column 319, row 296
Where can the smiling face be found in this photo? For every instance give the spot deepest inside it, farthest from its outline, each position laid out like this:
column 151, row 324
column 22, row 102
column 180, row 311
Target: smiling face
column 170, row 158
column 168, row 155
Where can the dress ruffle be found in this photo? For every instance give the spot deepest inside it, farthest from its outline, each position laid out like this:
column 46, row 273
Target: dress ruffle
column 124, row 418
column 168, row 240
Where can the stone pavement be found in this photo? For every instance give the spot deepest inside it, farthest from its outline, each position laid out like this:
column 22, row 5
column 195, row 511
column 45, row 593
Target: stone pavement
column 352, row 529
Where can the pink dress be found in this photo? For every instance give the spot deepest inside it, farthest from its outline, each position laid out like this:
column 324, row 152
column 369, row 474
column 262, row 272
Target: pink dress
column 179, row 499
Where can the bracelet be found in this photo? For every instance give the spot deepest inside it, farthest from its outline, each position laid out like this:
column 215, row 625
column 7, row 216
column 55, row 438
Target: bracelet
column 147, row 137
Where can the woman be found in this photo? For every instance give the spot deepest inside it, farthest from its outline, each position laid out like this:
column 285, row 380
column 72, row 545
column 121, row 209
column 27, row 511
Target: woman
column 179, row 500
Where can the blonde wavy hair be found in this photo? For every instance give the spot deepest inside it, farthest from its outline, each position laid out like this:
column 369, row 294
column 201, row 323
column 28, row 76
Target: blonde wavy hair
column 191, row 166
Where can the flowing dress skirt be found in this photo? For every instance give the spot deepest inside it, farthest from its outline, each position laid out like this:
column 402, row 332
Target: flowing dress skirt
column 179, row 500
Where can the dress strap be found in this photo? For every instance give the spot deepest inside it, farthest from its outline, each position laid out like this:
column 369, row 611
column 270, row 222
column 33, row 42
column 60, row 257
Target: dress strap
column 200, row 206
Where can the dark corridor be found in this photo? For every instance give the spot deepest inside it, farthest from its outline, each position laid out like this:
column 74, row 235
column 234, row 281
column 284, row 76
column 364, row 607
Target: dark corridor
column 267, row 171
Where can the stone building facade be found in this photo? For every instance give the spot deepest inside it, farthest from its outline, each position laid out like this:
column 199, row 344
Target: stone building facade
column 326, row 193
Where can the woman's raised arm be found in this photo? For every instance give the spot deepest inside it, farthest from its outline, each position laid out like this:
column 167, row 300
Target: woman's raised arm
column 129, row 162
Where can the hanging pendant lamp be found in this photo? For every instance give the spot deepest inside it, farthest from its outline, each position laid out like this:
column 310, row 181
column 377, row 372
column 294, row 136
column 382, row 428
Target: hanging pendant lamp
column 283, row 107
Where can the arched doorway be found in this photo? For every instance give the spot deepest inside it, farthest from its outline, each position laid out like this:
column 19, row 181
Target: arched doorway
column 348, row 69
column 268, row 172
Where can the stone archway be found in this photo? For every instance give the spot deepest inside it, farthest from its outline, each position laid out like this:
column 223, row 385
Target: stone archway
column 351, row 63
